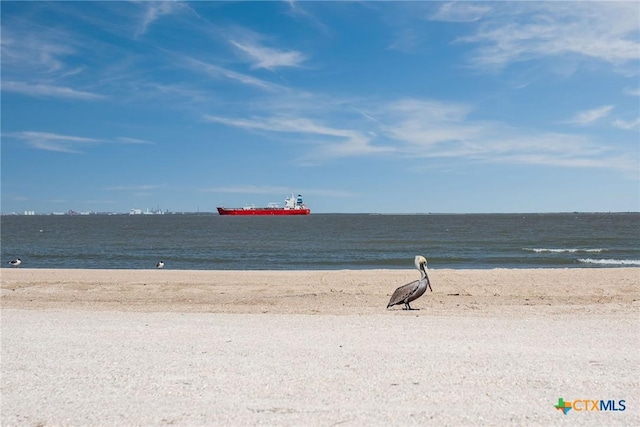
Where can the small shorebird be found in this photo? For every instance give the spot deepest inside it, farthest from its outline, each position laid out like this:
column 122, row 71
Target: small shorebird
column 16, row 262
column 160, row 264
column 414, row 290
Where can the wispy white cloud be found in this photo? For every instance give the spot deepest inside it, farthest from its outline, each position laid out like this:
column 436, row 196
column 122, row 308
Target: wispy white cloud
column 66, row 143
column 583, row 118
column 296, row 10
column 623, row 163
column 267, row 57
column 632, row 91
column 29, row 48
column 53, row 141
column 427, row 128
column 154, row 10
column 332, row 142
column 126, row 140
column 42, row 60
column 40, row 90
column 432, row 129
column 422, row 128
column 152, row 90
column 221, row 72
column 627, row 125
column 605, row 31
column 461, row 12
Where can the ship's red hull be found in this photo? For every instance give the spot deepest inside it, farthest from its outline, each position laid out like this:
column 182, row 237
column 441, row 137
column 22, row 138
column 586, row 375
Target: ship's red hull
column 263, row 211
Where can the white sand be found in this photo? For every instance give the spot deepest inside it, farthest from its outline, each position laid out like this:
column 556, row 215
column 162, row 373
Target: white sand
column 494, row 347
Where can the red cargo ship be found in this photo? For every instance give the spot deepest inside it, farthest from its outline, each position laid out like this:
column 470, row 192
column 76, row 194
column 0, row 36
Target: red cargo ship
column 292, row 206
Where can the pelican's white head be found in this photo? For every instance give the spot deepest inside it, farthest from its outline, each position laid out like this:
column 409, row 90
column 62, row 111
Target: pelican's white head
column 420, row 262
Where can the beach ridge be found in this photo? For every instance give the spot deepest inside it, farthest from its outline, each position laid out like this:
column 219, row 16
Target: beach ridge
column 320, row 291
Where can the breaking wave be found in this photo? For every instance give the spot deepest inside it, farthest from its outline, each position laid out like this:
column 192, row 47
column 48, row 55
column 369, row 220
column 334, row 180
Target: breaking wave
column 610, row 261
column 569, row 250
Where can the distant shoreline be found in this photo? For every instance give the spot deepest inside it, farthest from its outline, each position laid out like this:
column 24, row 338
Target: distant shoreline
column 215, row 213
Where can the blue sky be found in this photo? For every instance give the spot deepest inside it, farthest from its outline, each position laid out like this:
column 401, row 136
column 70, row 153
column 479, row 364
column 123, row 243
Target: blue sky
column 388, row 107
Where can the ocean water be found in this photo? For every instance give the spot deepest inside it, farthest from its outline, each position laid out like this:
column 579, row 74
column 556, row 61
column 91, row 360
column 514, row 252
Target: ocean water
column 322, row 241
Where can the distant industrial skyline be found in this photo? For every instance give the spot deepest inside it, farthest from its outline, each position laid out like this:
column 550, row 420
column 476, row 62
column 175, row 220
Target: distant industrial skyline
column 381, row 107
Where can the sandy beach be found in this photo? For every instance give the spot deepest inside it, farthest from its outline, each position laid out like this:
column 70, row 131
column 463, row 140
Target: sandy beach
column 156, row 347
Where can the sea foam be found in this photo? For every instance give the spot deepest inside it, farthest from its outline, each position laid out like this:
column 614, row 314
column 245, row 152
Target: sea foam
column 563, row 250
column 610, row 261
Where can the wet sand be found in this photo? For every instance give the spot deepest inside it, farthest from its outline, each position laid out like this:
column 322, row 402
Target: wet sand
column 490, row 347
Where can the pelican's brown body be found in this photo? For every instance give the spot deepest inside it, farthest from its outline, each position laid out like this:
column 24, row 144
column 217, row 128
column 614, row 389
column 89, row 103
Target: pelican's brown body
column 414, row 290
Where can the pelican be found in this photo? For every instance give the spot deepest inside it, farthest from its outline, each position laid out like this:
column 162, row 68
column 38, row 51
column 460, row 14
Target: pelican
column 160, row 264
column 16, row 262
column 414, row 290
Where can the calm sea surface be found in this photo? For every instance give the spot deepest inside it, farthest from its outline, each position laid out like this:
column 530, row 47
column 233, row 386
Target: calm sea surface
column 322, row 241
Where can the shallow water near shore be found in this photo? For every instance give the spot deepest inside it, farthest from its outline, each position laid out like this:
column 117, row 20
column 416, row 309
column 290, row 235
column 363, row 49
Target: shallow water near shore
column 322, row 241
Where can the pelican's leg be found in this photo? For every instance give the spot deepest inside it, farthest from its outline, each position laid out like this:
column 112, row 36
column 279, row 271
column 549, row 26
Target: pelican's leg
column 408, row 307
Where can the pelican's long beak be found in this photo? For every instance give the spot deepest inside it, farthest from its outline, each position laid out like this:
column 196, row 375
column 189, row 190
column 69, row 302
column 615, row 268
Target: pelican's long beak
column 426, row 275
